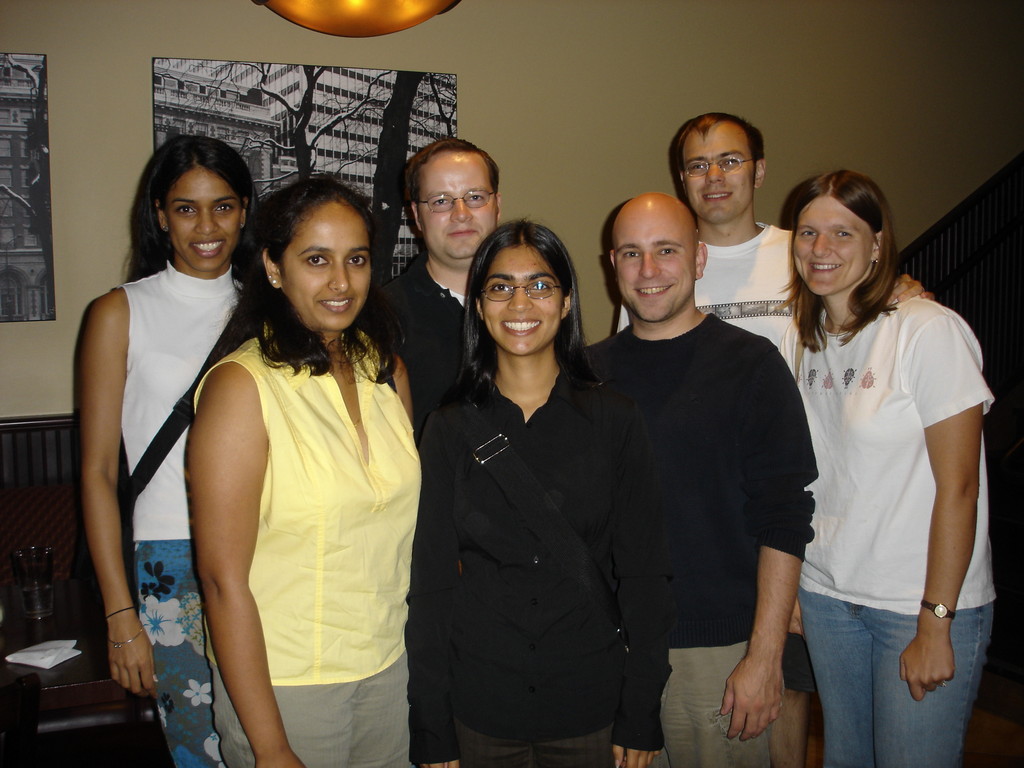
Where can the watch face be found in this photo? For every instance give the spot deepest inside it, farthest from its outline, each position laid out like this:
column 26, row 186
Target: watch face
column 941, row 611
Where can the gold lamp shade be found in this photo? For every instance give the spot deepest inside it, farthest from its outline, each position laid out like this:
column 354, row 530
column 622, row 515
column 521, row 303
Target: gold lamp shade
column 356, row 18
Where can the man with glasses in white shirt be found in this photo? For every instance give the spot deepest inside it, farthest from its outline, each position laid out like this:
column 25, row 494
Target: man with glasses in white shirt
column 453, row 193
column 720, row 160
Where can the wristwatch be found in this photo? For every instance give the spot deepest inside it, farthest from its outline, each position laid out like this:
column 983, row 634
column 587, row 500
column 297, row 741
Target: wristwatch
column 940, row 611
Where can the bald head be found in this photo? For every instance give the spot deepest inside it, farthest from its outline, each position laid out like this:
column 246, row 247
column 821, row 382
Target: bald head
column 657, row 259
column 652, row 209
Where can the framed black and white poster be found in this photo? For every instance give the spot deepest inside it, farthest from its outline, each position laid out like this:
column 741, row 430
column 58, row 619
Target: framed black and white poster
column 26, row 231
column 291, row 120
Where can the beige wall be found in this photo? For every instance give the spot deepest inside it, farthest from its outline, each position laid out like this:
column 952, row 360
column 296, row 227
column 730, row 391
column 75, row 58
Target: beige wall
column 576, row 99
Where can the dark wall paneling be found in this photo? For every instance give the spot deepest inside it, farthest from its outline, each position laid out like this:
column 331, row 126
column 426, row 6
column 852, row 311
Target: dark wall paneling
column 38, row 451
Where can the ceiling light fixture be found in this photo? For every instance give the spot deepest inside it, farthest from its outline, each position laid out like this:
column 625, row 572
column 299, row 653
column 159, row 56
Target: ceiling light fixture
column 357, row 18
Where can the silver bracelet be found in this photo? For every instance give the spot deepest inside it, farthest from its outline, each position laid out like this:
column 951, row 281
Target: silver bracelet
column 123, row 643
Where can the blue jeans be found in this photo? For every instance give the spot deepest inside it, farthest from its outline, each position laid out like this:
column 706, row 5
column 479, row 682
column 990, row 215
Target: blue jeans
column 870, row 717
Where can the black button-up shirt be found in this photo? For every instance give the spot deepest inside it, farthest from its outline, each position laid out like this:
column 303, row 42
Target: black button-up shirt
column 512, row 646
column 431, row 320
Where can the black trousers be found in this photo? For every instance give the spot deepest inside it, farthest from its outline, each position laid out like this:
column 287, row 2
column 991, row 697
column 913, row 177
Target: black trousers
column 593, row 750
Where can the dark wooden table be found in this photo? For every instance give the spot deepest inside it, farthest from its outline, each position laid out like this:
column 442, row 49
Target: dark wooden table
column 78, row 692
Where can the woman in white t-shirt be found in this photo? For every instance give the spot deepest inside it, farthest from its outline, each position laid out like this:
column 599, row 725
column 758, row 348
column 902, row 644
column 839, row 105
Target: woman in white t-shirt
column 896, row 590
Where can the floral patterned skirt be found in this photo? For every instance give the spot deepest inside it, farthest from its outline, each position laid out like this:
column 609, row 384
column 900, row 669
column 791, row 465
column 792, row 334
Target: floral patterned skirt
column 172, row 613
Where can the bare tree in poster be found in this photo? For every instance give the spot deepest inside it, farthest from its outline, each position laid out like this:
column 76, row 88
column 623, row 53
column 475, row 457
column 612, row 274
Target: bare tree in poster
column 302, row 133
column 293, row 120
column 399, row 118
column 387, row 178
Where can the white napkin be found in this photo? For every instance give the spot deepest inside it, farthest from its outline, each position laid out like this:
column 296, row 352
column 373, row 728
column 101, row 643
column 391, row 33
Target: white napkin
column 45, row 655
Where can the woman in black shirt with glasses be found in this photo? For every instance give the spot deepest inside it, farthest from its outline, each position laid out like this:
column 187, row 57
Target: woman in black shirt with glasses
column 513, row 654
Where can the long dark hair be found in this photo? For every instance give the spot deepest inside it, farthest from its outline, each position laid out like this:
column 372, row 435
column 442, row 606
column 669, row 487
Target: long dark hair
column 265, row 313
column 863, row 198
column 475, row 382
column 151, row 247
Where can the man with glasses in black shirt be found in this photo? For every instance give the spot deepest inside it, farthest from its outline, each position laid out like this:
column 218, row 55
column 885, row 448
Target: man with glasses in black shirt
column 453, row 193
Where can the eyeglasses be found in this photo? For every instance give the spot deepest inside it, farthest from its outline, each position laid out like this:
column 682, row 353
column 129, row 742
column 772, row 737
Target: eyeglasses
column 538, row 289
column 475, row 198
column 726, row 164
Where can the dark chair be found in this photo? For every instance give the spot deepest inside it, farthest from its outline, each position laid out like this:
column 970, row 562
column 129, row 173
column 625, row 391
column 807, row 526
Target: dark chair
column 19, row 716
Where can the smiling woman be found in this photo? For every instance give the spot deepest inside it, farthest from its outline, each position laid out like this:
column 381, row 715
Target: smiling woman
column 896, row 587
column 203, row 218
column 510, row 651
column 522, row 305
column 325, row 270
column 305, row 479
column 143, row 346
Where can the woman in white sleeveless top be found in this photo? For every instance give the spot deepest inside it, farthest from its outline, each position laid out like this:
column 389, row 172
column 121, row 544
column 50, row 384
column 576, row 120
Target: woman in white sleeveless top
column 142, row 347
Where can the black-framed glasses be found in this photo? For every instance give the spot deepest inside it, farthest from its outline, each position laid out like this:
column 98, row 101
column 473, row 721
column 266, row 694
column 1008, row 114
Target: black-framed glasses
column 726, row 165
column 475, row 198
column 537, row 289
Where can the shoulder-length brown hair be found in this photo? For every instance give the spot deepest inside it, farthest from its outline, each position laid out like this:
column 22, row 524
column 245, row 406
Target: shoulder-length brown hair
column 862, row 197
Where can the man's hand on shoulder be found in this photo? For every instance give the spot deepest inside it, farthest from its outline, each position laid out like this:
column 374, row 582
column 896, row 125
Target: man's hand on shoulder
column 907, row 287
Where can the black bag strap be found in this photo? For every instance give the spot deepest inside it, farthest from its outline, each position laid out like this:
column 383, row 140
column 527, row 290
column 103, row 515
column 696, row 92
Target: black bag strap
column 493, row 451
column 131, row 484
column 181, row 416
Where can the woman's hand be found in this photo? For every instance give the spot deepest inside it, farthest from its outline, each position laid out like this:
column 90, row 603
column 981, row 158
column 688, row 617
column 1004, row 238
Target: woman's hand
column 632, row 758
column 131, row 665
column 928, row 661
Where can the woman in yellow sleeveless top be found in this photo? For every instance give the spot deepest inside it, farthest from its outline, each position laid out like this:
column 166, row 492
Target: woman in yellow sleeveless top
column 305, row 480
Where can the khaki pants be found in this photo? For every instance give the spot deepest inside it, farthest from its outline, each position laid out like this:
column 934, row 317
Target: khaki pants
column 363, row 724
column 695, row 732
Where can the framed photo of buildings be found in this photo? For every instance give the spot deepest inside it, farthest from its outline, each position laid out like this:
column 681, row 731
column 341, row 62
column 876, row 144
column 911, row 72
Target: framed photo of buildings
column 291, row 120
column 26, row 232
